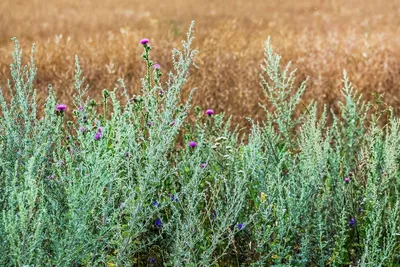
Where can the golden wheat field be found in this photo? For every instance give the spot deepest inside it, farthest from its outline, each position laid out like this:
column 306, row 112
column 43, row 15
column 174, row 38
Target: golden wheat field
column 320, row 37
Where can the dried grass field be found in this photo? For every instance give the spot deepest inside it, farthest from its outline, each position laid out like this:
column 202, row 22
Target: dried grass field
column 320, row 37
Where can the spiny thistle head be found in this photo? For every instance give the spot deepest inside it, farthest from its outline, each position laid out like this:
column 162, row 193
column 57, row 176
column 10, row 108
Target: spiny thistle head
column 192, row 144
column 144, row 41
column 61, row 107
column 209, row 112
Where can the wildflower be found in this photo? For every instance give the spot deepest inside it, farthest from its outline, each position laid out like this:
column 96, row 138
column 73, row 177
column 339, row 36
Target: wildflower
column 359, row 209
column 152, row 260
column 82, row 129
column 173, row 123
column 61, row 108
column 97, row 136
column 156, row 66
column 214, row 215
column 51, row 177
column 127, row 154
column 174, row 198
column 352, row 222
column 122, row 205
column 240, row 226
column 262, row 196
column 347, row 180
column 192, row 144
column 80, row 108
column 144, row 41
column 160, row 92
column 209, row 112
column 158, row 223
column 203, row 165
column 150, row 123
column 155, row 204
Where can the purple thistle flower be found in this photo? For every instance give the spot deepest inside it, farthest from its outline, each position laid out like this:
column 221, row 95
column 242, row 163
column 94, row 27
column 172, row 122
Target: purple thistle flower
column 156, row 66
column 209, row 112
column 158, row 223
column 240, row 226
column 144, row 41
column 192, row 144
column 203, row 165
column 61, row 108
column 352, row 222
column 347, row 180
column 97, row 136
column 152, row 260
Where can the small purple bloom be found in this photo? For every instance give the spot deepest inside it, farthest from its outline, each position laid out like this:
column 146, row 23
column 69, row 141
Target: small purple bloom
column 158, row 223
column 156, row 204
column 122, row 205
column 359, row 209
column 157, row 66
column 144, row 41
column 347, row 180
column 150, row 123
column 209, row 112
column 127, row 154
column 82, row 129
column 97, row 136
column 214, row 215
column 152, row 260
column 174, row 198
column 192, row 144
column 61, row 107
column 352, row 222
column 173, row 123
column 51, row 177
column 203, row 165
column 80, row 108
column 240, row 226
column 160, row 92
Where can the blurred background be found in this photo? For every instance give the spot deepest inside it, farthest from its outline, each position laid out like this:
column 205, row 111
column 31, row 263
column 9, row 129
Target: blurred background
column 320, row 37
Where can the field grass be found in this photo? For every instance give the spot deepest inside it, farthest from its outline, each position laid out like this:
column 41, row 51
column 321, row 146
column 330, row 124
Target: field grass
column 321, row 38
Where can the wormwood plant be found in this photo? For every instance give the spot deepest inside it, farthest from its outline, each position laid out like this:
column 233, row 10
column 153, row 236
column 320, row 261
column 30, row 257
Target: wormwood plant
column 117, row 188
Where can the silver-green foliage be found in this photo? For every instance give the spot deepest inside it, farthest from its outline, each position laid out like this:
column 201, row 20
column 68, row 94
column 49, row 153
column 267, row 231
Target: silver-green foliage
column 274, row 197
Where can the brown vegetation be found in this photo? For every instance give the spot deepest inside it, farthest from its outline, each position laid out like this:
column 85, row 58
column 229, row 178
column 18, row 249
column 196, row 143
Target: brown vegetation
column 320, row 37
